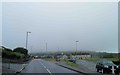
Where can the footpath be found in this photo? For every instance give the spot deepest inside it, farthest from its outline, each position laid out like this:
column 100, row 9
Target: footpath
column 13, row 68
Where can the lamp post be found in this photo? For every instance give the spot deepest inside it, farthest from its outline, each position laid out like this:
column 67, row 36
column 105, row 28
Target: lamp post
column 46, row 46
column 76, row 48
column 27, row 38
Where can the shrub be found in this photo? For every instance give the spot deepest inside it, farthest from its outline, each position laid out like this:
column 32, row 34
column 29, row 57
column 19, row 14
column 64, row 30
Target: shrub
column 21, row 50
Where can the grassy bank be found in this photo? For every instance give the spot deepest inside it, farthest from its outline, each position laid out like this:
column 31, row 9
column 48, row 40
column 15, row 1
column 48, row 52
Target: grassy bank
column 96, row 59
column 50, row 59
column 73, row 64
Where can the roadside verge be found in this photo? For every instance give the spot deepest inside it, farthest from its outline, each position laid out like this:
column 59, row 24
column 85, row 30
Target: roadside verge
column 13, row 68
column 71, row 68
column 23, row 67
column 78, row 70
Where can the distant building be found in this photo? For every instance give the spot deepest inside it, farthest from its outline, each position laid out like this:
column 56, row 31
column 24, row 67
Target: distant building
column 81, row 56
column 64, row 57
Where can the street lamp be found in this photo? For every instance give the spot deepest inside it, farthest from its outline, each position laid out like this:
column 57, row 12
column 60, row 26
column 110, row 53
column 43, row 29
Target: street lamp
column 46, row 46
column 27, row 38
column 76, row 48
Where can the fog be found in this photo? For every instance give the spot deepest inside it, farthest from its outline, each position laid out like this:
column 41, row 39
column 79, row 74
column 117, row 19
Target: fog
column 60, row 24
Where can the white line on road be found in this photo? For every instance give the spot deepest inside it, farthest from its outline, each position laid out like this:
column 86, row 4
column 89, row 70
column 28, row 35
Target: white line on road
column 48, row 71
column 46, row 68
column 43, row 65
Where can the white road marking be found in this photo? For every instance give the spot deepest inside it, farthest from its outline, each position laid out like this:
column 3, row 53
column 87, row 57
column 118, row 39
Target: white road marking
column 46, row 68
column 43, row 65
column 48, row 71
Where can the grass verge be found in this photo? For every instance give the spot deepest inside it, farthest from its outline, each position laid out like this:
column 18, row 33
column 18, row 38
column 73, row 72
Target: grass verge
column 50, row 59
column 96, row 59
column 73, row 64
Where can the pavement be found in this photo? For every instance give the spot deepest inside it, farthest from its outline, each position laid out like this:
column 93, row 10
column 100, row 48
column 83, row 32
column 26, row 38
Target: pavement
column 87, row 66
column 64, row 64
column 12, row 68
column 81, row 69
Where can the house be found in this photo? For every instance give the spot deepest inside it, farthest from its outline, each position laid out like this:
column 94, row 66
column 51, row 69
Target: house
column 81, row 56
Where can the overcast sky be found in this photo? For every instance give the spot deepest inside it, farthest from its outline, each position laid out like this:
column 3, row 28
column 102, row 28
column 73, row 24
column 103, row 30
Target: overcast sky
column 93, row 24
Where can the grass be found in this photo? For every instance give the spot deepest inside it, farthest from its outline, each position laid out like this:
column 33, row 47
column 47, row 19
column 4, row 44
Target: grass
column 96, row 59
column 50, row 59
column 73, row 64
column 92, row 59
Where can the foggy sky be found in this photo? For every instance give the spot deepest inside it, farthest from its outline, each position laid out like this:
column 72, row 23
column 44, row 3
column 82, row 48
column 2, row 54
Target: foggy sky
column 94, row 25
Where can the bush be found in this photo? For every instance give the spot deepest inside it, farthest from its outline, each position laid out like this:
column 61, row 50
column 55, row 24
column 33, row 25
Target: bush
column 6, row 49
column 12, row 55
column 21, row 50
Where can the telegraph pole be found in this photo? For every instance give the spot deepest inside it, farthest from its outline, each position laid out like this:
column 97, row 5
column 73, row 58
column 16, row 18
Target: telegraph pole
column 76, row 49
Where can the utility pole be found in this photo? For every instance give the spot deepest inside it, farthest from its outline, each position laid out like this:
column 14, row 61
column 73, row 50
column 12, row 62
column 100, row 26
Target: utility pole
column 46, row 47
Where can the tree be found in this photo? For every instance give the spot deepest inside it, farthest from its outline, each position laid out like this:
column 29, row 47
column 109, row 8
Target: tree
column 6, row 53
column 6, row 49
column 21, row 50
column 119, row 57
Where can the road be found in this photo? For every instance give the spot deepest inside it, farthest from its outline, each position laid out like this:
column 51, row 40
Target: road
column 42, row 66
